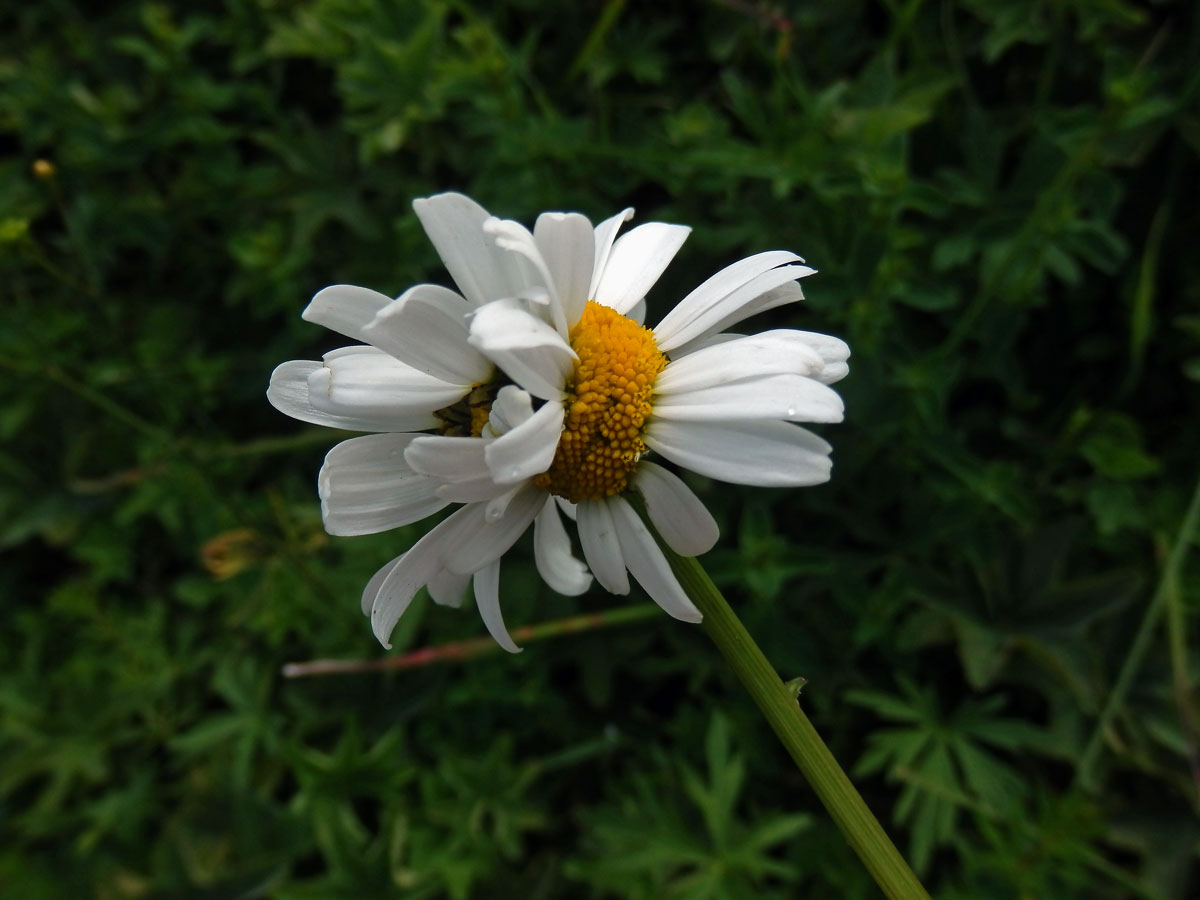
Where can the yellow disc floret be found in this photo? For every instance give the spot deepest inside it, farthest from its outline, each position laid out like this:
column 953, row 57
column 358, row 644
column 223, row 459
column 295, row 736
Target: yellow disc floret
column 606, row 404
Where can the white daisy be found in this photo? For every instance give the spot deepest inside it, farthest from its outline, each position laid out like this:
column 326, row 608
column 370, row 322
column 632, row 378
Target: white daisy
column 543, row 392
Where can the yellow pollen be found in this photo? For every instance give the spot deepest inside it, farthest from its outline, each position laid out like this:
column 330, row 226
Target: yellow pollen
column 479, row 417
column 607, row 402
column 467, row 417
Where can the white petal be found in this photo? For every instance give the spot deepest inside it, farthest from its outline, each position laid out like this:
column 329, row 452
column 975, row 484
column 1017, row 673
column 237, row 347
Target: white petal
column 567, row 244
column 529, row 448
column 447, row 588
column 481, row 270
column 729, row 296
column 366, row 486
column 515, row 238
column 511, row 407
column 635, row 262
column 768, row 353
column 529, row 351
column 380, row 390
column 392, row 589
column 791, row 397
column 648, row 565
column 789, row 292
column 766, row 454
column 290, row 392
column 487, row 598
column 601, row 549
column 831, row 351
column 497, row 506
column 683, row 521
column 474, row 490
column 452, row 459
column 478, row 541
column 834, row 351
column 834, row 371
column 569, row 509
column 346, row 309
column 638, row 313
column 605, row 234
column 397, row 589
column 371, row 591
column 427, row 328
column 552, row 553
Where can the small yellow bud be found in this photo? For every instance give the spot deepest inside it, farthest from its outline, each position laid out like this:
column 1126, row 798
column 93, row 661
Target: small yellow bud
column 231, row 552
column 43, row 169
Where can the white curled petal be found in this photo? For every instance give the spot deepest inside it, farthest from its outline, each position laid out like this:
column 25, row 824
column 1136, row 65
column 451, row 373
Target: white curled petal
column 528, row 449
column 447, row 588
column 366, row 486
column 635, row 262
column 392, row 594
column 511, row 407
column 739, row 358
column 529, row 351
column 363, row 381
column 483, row 272
column 371, row 591
column 480, row 541
column 451, row 459
column 567, row 244
column 730, row 295
column 648, row 565
column 832, row 349
column 762, row 453
column 427, row 328
column 291, row 392
column 793, row 398
column 683, row 521
column 834, row 371
column 569, row 509
column 604, row 235
column 514, row 238
column 487, row 598
column 601, row 549
column 552, row 553
column 288, row 393
column 396, row 592
column 346, row 309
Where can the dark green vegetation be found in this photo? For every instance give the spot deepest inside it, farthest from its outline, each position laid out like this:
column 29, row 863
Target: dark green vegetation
column 991, row 600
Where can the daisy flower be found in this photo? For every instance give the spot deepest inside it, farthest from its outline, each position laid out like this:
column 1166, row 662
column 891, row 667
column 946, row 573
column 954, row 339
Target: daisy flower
column 536, row 393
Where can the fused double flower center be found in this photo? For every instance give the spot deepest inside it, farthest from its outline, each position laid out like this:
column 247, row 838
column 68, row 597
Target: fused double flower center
column 606, row 401
column 606, row 404
column 467, row 417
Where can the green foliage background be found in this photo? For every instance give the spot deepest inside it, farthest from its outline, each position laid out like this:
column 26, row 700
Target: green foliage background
column 990, row 601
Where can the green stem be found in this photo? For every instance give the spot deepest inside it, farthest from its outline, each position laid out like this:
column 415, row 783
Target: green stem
column 778, row 702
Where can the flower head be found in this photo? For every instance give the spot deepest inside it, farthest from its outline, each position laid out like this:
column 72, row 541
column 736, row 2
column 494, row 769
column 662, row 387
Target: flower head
column 537, row 392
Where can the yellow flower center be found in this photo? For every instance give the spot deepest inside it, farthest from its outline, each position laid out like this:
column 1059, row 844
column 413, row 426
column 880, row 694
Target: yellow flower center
column 607, row 402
